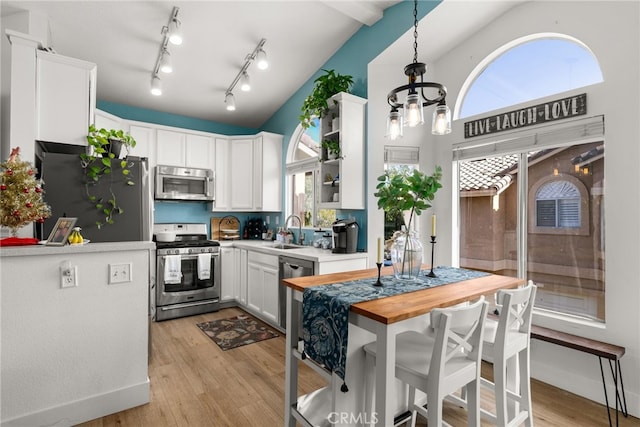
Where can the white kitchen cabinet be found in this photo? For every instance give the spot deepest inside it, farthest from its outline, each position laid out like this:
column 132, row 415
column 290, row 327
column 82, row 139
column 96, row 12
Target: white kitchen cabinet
column 65, row 98
column 222, row 173
column 262, row 290
column 170, row 148
column 341, row 181
column 145, row 137
column 233, row 275
column 228, row 273
column 184, row 149
column 241, row 174
column 267, row 195
column 104, row 120
column 242, row 284
column 249, row 173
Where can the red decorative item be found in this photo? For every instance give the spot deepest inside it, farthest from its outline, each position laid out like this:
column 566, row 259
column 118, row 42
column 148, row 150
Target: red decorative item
column 9, row 172
column 25, row 190
column 16, row 213
column 28, row 204
column 18, row 241
column 30, row 172
column 38, row 190
column 3, row 187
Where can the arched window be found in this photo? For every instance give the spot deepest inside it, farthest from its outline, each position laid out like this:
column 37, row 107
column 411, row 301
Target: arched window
column 558, row 205
column 528, row 68
column 302, row 168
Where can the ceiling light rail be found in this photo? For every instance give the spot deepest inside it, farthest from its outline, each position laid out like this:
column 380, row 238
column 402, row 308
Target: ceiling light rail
column 415, row 100
column 172, row 32
column 257, row 55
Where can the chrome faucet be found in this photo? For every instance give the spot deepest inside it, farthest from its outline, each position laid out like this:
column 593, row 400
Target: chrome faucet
column 286, row 228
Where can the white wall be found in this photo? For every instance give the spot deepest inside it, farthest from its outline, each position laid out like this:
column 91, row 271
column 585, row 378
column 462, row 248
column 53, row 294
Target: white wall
column 616, row 44
column 71, row 355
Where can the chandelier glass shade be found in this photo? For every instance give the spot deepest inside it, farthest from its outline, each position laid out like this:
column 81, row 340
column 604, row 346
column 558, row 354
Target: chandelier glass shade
column 419, row 94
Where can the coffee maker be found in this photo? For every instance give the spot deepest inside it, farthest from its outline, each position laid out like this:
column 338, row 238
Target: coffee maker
column 345, row 236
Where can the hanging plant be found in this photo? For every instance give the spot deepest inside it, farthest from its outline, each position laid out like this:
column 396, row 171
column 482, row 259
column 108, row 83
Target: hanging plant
column 99, row 162
column 327, row 85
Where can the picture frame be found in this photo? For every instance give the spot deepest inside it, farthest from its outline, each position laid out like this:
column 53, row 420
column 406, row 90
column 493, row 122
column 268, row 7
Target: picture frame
column 60, row 232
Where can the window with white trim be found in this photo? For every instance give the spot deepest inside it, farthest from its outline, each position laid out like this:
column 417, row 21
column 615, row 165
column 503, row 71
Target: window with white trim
column 301, row 183
column 558, row 205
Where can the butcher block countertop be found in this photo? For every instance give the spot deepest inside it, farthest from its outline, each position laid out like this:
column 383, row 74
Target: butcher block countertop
column 405, row 306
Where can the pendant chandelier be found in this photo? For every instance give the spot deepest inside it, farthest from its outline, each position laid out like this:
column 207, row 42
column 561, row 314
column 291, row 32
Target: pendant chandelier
column 416, row 99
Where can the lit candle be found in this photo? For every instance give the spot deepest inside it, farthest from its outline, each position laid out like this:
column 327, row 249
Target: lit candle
column 433, row 225
column 379, row 259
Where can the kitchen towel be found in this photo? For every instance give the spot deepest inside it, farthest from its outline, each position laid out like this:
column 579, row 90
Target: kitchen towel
column 204, row 266
column 172, row 269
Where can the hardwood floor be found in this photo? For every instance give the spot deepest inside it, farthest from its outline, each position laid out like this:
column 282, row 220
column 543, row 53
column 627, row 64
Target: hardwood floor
column 194, row 383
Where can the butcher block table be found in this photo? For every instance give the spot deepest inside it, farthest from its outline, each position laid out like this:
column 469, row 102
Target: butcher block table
column 385, row 318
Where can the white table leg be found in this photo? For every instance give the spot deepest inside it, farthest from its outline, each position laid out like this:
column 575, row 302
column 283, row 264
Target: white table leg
column 291, row 363
column 385, row 373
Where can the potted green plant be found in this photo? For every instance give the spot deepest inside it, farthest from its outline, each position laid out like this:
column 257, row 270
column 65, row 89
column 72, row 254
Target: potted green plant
column 99, row 162
column 327, row 85
column 332, row 148
column 399, row 192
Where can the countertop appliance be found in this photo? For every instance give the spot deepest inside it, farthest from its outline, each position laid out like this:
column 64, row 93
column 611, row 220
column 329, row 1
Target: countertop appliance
column 176, row 183
column 187, row 273
column 64, row 190
column 290, row 268
column 345, row 236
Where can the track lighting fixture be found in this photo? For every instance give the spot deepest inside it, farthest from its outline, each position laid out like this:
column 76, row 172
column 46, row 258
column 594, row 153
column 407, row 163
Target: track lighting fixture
column 165, row 62
column 156, row 85
column 175, row 28
column 415, row 100
column 245, row 83
column 230, row 100
column 172, row 32
column 257, row 55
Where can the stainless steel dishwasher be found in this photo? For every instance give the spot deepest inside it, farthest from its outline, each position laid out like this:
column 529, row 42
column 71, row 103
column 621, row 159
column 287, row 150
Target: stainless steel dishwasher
column 290, row 268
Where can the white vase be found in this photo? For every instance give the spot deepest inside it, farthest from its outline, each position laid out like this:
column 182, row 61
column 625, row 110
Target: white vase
column 406, row 256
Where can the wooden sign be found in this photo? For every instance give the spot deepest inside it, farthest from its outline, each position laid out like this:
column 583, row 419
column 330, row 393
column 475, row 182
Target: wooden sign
column 542, row 113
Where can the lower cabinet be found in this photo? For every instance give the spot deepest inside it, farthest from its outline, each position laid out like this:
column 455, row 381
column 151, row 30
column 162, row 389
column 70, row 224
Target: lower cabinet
column 262, row 285
column 233, row 275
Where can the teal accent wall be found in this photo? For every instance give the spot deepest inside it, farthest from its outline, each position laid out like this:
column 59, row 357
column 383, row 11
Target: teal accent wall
column 168, row 119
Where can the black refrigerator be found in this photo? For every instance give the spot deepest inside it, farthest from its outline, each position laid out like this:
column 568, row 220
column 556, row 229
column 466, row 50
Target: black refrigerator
column 64, row 190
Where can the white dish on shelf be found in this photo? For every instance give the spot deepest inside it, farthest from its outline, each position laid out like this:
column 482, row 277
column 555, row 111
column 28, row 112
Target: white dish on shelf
column 84, row 242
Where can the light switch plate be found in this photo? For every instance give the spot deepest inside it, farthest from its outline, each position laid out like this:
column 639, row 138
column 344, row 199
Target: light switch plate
column 120, row 273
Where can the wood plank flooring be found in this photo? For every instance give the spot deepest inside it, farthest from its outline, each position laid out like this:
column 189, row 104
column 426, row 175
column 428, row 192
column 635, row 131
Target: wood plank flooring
column 195, row 384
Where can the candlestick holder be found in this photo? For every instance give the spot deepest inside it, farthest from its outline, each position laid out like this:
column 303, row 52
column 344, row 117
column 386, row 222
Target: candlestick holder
column 433, row 245
column 378, row 283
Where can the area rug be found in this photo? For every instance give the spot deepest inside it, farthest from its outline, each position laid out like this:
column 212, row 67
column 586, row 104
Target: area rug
column 236, row 331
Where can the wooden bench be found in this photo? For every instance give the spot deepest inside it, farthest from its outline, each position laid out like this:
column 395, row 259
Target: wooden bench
column 612, row 353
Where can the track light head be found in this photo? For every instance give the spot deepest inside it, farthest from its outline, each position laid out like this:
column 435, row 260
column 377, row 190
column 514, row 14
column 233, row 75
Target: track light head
column 245, row 82
column 175, row 31
column 261, row 60
column 156, row 86
column 166, row 65
column 230, row 100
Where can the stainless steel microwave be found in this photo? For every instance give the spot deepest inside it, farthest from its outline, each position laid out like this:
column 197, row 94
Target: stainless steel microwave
column 176, row 183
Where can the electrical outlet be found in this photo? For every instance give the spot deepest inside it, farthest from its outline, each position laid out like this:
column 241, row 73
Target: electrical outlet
column 119, row 273
column 69, row 277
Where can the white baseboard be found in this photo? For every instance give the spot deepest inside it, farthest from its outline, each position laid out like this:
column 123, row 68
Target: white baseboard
column 83, row 410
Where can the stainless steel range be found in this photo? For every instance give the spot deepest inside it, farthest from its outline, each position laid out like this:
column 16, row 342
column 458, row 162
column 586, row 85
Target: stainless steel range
column 187, row 272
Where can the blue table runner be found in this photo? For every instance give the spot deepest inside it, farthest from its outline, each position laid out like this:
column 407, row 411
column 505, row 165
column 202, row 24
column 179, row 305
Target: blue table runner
column 325, row 310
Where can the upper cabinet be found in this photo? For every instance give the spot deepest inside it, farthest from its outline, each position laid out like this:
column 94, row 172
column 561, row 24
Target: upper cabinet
column 186, row 149
column 341, row 182
column 249, row 173
column 65, row 98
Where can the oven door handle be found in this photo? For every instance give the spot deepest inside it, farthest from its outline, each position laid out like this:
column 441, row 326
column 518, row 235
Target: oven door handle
column 193, row 256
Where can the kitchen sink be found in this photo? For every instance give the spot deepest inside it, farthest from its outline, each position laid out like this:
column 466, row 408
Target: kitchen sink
column 288, row 246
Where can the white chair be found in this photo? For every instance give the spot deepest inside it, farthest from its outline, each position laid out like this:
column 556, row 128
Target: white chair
column 504, row 339
column 440, row 363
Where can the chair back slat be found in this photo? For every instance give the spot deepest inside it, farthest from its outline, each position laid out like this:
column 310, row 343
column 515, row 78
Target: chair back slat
column 459, row 333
